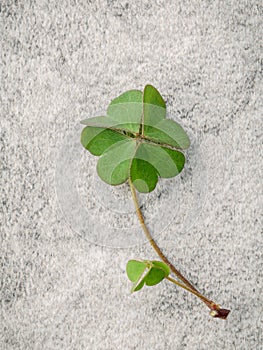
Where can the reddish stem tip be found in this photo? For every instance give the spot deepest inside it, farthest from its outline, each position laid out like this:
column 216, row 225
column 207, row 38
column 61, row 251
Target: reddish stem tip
column 220, row 313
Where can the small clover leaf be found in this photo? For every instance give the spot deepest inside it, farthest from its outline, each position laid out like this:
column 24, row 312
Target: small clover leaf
column 135, row 140
column 146, row 272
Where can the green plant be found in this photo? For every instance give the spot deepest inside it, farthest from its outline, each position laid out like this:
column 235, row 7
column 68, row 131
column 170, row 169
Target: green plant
column 137, row 144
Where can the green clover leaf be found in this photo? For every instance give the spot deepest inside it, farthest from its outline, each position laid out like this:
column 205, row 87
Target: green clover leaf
column 137, row 143
column 146, row 272
column 135, row 140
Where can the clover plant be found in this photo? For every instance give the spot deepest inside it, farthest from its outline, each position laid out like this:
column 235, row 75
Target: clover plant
column 138, row 145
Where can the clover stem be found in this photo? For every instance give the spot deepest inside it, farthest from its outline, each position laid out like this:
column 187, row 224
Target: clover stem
column 216, row 310
column 184, row 287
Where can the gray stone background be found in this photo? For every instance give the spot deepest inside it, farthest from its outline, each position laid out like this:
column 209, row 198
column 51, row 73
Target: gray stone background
column 61, row 61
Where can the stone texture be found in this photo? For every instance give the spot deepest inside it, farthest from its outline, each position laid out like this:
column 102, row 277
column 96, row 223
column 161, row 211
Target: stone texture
column 62, row 61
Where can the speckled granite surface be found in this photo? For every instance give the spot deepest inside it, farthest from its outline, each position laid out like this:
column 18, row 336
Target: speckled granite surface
column 62, row 61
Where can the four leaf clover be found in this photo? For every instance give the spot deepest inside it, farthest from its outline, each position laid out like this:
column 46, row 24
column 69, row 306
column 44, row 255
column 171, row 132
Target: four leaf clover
column 136, row 141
